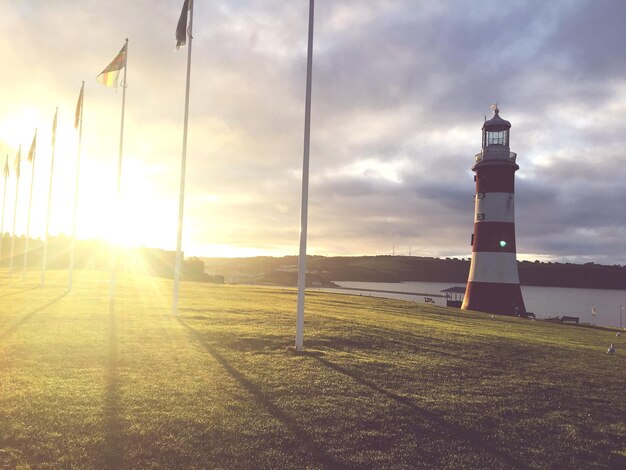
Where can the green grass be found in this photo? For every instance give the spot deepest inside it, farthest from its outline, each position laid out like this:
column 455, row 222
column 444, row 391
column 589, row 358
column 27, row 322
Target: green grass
column 383, row 383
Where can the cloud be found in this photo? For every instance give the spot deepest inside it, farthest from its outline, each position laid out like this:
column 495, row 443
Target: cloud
column 399, row 97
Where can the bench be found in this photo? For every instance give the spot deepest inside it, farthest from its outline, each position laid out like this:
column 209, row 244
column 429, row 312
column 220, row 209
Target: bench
column 530, row 315
column 569, row 319
column 429, row 300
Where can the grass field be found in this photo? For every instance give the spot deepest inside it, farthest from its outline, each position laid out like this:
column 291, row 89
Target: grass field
column 383, row 383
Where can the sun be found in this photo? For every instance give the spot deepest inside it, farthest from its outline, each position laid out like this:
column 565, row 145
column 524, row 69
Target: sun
column 135, row 216
column 140, row 215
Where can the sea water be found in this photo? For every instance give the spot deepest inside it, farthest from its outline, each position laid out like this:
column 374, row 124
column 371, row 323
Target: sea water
column 545, row 302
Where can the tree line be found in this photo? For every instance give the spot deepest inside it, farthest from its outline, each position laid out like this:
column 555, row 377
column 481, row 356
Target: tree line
column 387, row 268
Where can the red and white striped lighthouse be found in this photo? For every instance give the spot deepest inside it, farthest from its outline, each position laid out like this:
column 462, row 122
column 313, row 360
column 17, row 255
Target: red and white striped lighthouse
column 493, row 284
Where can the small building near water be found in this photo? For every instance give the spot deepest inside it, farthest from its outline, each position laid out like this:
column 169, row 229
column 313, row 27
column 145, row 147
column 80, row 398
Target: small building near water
column 454, row 296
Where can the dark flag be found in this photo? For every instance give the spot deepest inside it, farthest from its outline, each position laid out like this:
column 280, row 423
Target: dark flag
column 181, row 28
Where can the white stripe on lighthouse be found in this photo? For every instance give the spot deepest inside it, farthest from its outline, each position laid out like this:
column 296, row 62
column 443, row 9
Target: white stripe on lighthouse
column 494, row 207
column 494, row 267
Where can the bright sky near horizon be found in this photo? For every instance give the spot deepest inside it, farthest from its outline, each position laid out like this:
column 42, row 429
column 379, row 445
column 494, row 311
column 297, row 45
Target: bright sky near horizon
column 400, row 90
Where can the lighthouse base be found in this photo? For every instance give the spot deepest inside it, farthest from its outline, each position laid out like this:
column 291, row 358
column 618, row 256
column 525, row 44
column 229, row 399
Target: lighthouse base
column 491, row 297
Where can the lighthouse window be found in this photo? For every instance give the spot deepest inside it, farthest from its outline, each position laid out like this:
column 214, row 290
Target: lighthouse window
column 480, row 195
column 496, row 138
column 480, row 216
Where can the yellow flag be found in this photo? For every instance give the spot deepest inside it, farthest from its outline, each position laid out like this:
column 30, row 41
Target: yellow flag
column 18, row 159
column 33, row 148
column 79, row 106
column 54, row 126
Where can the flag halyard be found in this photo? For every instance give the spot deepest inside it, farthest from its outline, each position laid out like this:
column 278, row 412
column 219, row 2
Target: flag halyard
column 181, row 27
column 109, row 76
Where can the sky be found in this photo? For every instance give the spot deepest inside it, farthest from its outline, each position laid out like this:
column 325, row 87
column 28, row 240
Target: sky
column 400, row 91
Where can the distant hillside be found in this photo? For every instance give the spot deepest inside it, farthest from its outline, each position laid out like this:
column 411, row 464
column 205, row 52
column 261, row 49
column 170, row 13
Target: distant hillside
column 414, row 268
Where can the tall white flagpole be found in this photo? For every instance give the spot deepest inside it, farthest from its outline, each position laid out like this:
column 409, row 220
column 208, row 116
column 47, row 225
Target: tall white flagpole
column 76, row 186
column 181, row 199
column 114, row 249
column 17, row 187
column 304, row 209
column 30, row 205
column 44, row 260
column 4, row 200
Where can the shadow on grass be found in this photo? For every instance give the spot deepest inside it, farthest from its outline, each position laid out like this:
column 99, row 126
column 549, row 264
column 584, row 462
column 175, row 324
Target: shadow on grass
column 20, row 291
column 412, row 344
column 25, row 318
column 455, row 431
column 112, row 454
column 304, row 439
column 556, row 321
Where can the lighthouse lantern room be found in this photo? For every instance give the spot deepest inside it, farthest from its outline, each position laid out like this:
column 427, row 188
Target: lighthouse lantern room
column 493, row 283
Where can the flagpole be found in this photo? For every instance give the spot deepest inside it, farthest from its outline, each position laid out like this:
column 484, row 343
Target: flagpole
column 4, row 200
column 305, row 188
column 45, row 243
column 181, row 198
column 17, row 187
column 116, row 207
column 76, row 186
column 30, row 205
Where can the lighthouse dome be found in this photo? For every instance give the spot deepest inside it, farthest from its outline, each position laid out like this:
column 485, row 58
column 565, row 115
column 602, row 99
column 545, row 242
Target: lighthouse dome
column 496, row 123
column 496, row 137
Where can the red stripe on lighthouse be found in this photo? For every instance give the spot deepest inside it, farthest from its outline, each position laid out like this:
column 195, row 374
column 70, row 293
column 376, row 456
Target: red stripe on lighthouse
column 496, row 237
column 498, row 178
column 503, row 299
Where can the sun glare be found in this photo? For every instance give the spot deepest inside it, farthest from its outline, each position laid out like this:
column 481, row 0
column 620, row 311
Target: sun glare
column 136, row 218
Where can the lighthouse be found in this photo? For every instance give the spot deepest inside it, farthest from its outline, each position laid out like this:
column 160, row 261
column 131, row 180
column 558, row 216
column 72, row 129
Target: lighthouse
column 493, row 283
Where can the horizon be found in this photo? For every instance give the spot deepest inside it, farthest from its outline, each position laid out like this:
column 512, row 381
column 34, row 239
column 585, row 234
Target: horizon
column 467, row 258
